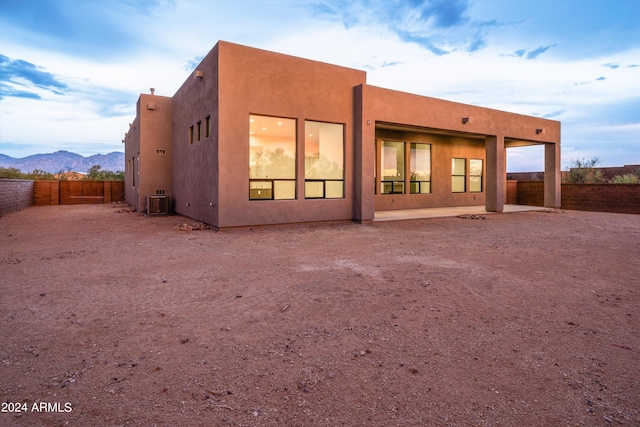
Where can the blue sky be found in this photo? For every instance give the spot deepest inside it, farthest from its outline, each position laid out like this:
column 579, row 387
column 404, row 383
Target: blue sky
column 71, row 70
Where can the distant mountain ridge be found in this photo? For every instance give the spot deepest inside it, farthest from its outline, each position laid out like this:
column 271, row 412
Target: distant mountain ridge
column 64, row 161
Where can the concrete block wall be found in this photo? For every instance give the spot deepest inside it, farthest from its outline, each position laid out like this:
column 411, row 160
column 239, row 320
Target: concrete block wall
column 15, row 194
column 621, row 198
column 531, row 193
column 512, row 192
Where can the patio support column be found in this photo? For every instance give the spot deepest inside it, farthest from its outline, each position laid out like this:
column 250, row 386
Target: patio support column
column 496, row 173
column 552, row 176
column 364, row 156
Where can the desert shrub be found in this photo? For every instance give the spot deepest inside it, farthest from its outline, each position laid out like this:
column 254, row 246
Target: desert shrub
column 11, row 173
column 584, row 171
column 95, row 173
column 627, row 178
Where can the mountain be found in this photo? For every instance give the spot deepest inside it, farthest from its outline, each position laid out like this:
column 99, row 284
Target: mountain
column 64, row 161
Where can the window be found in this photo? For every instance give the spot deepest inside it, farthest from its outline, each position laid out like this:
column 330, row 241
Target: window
column 199, row 127
column 272, row 158
column 458, row 175
column 475, row 175
column 392, row 167
column 132, row 168
column 207, row 126
column 323, row 160
column 191, row 134
column 420, row 168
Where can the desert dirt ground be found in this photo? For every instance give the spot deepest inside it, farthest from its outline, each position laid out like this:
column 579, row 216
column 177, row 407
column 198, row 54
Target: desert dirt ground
column 109, row 318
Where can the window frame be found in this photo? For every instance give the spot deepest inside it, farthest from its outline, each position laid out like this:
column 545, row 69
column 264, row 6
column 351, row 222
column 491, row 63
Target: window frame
column 399, row 183
column 419, row 182
column 481, row 176
column 458, row 175
column 324, row 181
column 274, row 181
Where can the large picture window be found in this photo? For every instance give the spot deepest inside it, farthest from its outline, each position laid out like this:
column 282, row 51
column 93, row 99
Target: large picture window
column 459, row 175
column 392, row 167
column 420, row 168
column 475, row 175
column 272, row 158
column 323, row 160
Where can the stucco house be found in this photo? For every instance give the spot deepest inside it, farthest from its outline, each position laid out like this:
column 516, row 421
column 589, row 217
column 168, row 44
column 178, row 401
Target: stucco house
column 254, row 137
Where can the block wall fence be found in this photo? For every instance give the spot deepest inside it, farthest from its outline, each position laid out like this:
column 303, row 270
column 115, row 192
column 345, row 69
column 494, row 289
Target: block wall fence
column 15, row 194
column 620, row 198
column 512, row 192
column 19, row 194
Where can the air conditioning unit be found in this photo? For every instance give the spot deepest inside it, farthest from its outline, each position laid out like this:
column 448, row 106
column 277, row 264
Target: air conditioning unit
column 157, row 205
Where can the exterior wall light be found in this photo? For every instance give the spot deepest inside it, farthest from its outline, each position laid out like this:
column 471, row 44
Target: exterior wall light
column 466, row 120
column 199, row 74
column 540, row 131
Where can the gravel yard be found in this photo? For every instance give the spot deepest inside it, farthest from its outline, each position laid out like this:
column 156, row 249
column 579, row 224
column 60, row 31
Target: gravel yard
column 110, row 318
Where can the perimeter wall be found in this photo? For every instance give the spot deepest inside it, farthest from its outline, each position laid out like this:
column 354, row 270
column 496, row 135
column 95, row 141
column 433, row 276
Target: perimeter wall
column 17, row 194
column 620, row 198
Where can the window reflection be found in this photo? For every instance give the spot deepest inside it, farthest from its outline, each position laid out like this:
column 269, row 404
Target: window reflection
column 475, row 175
column 324, row 160
column 458, row 176
column 392, row 167
column 420, row 168
column 272, row 158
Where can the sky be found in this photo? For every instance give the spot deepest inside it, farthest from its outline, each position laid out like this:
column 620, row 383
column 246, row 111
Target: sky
column 72, row 70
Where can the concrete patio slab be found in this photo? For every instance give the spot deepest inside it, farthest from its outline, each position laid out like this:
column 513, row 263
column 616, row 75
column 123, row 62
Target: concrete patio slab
column 397, row 215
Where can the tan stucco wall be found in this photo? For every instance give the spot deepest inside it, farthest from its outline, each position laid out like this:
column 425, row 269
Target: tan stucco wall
column 150, row 131
column 406, row 108
column 196, row 166
column 253, row 81
column 131, row 150
column 155, row 134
